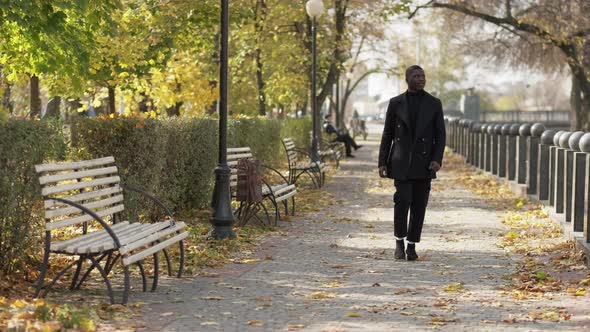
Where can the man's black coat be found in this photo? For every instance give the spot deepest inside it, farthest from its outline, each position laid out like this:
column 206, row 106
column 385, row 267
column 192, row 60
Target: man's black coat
column 408, row 157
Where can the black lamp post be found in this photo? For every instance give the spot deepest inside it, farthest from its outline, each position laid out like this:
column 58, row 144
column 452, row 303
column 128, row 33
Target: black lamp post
column 223, row 217
column 314, row 9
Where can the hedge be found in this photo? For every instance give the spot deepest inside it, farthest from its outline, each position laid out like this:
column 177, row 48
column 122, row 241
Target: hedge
column 172, row 158
column 23, row 144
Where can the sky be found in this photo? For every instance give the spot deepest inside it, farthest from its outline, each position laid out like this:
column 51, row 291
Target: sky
column 480, row 75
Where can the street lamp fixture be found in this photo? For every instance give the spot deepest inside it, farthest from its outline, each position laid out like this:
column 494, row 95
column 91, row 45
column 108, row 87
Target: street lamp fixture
column 223, row 217
column 314, row 8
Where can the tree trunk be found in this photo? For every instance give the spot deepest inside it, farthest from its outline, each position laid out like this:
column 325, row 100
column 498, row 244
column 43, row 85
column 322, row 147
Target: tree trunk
column 260, row 15
column 579, row 99
column 53, row 108
column 111, row 101
column 174, row 110
column 260, row 84
column 5, row 101
column 339, row 56
column 35, row 99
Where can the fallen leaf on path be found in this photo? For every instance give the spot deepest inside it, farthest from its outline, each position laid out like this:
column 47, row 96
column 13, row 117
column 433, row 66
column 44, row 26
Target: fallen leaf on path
column 293, row 327
column 454, row 287
column 322, row 295
column 352, row 314
column 213, row 298
column 402, row 291
column 255, row 323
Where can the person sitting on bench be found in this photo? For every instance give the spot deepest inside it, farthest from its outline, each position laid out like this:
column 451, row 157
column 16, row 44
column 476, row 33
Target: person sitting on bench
column 341, row 135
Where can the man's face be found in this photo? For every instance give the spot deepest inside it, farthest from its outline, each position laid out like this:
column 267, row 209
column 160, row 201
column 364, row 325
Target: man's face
column 416, row 80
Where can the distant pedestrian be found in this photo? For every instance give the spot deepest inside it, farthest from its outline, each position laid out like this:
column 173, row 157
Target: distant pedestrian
column 341, row 136
column 411, row 153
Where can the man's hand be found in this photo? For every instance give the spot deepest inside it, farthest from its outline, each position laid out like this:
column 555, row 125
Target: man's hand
column 383, row 171
column 435, row 166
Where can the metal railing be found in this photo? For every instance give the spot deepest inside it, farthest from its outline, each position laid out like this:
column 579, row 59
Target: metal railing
column 553, row 167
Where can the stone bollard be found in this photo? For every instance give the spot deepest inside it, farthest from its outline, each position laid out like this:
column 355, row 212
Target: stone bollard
column 569, row 173
column 511, row 153
column 488, row 147
column 521, row 144
column 496, row 131
column 552, row 166
column 476, row 143
column 578, row 185
column 543, row 165
column 502, row 166
column 585, row 148
column 560, row 173
column 533, row 141
column 459, row 137
column 482, row 146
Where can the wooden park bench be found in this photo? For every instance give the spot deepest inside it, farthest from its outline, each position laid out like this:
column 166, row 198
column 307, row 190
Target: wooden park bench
column 331, row 149
column 276, row 194
column 300, row 163
column 83, row 199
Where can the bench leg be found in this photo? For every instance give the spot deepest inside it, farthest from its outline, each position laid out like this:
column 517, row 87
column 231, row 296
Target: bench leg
column 44, row 266
column 96, row 264
column 168, row 264
column 126, row 286
column 293, row 205
column 143, row 278
column 181, row 267
column 156, row 272
column 56, row 278
column 87, row 273
column 77, row 273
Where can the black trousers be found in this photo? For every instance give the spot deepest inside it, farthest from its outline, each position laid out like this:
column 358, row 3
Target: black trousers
column 348, row 142
column 412, row 196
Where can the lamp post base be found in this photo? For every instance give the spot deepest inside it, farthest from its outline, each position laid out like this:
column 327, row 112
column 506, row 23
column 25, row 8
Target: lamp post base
column 221, row 233
column 223, row 217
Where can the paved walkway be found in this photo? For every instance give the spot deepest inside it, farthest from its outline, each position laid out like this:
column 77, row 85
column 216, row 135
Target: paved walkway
column 334, row 271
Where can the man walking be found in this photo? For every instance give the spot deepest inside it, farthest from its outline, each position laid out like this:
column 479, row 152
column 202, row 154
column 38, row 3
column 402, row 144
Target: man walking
column 411, row 152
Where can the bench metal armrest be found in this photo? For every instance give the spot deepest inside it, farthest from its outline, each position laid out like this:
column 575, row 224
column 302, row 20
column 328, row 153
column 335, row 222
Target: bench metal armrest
column 93, row 215
column 152, row 198
column 275, row 171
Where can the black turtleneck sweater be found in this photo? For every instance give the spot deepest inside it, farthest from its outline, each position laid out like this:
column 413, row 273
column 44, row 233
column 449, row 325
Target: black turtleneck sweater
column 414, row 101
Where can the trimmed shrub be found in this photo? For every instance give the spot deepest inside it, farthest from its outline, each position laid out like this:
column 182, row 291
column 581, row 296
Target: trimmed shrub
column 23, row 144
column 173, row 158
column 298, row 129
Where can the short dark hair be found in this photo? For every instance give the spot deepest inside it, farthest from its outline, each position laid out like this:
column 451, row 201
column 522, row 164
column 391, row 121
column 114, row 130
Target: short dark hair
column 412, row 68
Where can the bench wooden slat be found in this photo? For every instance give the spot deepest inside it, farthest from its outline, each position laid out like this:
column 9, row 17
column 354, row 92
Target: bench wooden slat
column 235, row 150
column 77, row 175
column 158, row 234
column 85, row 195
column 239, row 156
column 79, row 185
column 76, row 220
column 74, row 165
column 284, row 197
column 143, row 231
column 92, row 205
column 149, row 251
column 60, row 245
column 84, row 247
column 283, row 190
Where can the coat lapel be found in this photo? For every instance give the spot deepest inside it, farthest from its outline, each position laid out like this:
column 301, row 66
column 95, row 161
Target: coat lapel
column 402, row 112
column 424, row 115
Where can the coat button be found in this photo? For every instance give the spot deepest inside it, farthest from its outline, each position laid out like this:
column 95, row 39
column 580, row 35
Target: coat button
column 422, row 139
column 424, row 152
column 399, row 126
